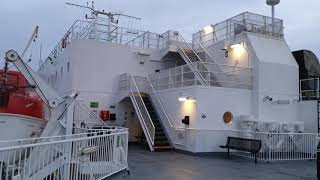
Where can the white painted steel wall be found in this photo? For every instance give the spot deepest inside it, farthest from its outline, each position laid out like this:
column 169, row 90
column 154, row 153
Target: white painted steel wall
column 95, row 68
column 94, row 71
column 275, row 74
column 205, row 113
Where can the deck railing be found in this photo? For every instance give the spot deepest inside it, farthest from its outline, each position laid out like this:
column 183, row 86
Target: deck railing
column 93, row 155
column 214, row 75
column 275, row 146
column 281, row 146
column 310, row 89
column 99, row 31
column 245, row 22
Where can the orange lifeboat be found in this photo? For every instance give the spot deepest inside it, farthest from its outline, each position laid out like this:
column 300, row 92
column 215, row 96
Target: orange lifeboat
column 17, row 97
column 21, row 109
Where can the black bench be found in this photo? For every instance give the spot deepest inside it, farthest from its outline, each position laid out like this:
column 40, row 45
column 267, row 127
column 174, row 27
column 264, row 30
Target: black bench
column 248, row 145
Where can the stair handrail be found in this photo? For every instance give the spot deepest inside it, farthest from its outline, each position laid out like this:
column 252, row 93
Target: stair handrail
column 195, row 71
column 160, row 102
column 164, row 111
column 191, row 63
column 144, row 106
column 211, row 57
column 190, row 47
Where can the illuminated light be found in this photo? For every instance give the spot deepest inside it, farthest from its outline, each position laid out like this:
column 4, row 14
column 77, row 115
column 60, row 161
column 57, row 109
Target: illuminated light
column 238, row 52
column 208, row 29
column 182, row 99
column 234, row 46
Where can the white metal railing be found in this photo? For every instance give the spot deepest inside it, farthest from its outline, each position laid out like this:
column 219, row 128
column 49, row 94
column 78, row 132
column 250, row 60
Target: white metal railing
column 94, row 155
column 142, row 111
column 159, row 102
column 282, row 146
column 99, row 31
column 182, row 50
column 161, row 111
column 216, row 75
column 230, row 28
column 309, row 89
column 275, row 146
column 144, row 85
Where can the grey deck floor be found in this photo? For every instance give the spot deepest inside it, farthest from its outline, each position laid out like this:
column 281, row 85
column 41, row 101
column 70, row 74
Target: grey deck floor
column 145, row 165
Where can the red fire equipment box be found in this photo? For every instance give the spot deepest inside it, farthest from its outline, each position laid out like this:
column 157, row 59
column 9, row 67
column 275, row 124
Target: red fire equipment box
column 104, row 115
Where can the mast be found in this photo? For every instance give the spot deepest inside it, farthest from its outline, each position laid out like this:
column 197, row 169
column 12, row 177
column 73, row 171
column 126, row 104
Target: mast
column 272, row 3
column 110, row 16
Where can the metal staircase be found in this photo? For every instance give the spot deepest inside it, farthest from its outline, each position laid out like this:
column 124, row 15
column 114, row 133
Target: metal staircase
column 190, row 57
column 161, row 142
column 154, row 131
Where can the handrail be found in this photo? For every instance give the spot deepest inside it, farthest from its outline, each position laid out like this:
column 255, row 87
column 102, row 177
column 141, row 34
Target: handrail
column 211, row 57
column 314, row 86
column 144, row 106
column 203, row 79
column 160, row 102
column 190, row 64
column 137, row 37
column 164, row 111
column 163, row 78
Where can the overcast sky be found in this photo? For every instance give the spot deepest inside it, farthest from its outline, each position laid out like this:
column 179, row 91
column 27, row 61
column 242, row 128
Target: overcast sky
column 19, row 17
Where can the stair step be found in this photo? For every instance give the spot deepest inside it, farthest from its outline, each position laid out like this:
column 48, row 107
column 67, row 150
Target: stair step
column 160, row 133
column 163, row 148
column 159, row 130
column 164, row 143
column 161, row 143
column 162, row 138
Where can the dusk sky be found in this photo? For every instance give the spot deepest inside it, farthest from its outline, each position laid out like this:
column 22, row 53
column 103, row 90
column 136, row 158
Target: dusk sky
column 19, row 17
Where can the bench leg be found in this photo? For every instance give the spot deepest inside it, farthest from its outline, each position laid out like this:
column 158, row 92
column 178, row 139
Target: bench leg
column 228, row 153
column 255, row 158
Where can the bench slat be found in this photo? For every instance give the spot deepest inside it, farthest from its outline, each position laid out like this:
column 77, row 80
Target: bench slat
column 243, row 144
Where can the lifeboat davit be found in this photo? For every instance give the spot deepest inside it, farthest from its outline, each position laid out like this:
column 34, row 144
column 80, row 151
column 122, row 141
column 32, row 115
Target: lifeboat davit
column 21, row 109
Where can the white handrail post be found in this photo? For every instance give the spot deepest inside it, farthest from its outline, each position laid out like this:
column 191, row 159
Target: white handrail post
column 148, row 39
column 197, row 71
column 182, row 74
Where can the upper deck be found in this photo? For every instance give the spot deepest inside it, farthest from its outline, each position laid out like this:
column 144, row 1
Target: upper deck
column 99, row 30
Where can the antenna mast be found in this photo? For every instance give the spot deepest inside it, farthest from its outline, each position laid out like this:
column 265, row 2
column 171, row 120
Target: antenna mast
column 110, row 15
column 273, row 3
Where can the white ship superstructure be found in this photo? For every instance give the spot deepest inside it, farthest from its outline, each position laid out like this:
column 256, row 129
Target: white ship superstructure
column 238, row 74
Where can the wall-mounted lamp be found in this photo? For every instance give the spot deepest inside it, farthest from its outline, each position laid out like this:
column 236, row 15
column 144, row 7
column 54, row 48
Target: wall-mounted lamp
column 208, row 29
column 186, row 98
column 234, row 46
column 237, row 47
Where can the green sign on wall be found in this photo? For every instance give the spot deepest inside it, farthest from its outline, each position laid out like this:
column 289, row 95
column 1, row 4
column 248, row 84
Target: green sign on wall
column 94, row 104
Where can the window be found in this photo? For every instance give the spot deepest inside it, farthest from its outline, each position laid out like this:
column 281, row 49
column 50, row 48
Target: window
column 61, row 71
column 227, row 117
column 68, row 67
column 56, row 77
